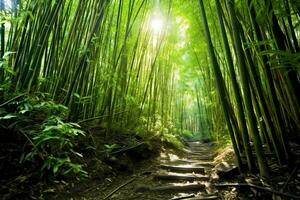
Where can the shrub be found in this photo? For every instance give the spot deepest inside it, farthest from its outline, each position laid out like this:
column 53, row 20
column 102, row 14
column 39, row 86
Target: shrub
column 54, row 144
column 49, row 143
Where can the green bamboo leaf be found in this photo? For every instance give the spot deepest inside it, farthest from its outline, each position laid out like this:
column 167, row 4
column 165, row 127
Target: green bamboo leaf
column 55, row 168
column 8, row 116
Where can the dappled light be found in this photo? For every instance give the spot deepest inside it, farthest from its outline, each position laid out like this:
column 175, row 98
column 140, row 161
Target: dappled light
column 170, row 156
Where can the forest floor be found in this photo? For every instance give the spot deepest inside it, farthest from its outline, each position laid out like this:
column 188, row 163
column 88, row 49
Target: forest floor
column 197, row 172
column 127, row 167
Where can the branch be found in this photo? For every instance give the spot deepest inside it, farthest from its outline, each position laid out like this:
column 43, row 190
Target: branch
column 257, row 187
column 118, row 188
column 128, row 148
column 183, row 197
column 14, row 98
column 99, row 117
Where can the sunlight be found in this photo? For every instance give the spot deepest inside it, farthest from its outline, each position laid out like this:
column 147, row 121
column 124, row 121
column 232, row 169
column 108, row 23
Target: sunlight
column 157, row 24
column 183, row 26
column 173, row 157
column 7, row 4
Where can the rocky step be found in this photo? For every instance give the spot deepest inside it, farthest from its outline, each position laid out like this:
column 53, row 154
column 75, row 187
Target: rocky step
column 202, row 153
column 203, row 198
column 177, row 176
column 193, row 197
column 195, row 145
column 203, row 163
column 179, row 187
column 183, row 168
column 201, row 143
column 207, row 149
column 195, row 163
column 197, row 152
column 200, row 157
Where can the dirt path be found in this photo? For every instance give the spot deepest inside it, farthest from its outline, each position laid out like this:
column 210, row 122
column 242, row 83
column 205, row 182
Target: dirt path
column 173, row 177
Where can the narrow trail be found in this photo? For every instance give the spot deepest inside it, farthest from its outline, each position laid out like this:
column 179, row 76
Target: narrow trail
column 186, row 176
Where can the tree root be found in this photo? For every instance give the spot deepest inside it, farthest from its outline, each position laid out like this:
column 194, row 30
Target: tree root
column 257, row 187
column 118, row 188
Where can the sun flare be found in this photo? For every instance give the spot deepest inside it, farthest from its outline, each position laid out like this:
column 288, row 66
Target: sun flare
column 157, row 24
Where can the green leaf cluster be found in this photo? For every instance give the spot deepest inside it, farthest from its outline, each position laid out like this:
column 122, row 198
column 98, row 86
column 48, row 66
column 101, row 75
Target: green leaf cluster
column 50, row 143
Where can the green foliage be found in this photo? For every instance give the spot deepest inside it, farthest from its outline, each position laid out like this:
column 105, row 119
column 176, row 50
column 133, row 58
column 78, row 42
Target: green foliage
column 173, row 140
column 121, row 72
column 111, row 147
column 8, row 116
column 50, row 143
column 162, row 130
column 186, row 134
column 4, row 64
column 33, row 106
column 54, row 144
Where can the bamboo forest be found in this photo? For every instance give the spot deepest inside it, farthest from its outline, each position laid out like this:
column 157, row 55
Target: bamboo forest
column 149, row 99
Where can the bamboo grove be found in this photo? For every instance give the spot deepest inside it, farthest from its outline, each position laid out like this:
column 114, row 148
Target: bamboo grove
column 260, row 96
column 104, row 61
column 101, row 59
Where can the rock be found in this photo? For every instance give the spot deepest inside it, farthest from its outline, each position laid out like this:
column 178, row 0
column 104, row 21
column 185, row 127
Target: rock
column 226, row 171
column 180, row 188
column 175, row 176
column 183, row 168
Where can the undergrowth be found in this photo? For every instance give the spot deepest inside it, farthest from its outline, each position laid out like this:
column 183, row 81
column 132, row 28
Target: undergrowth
column 37, row 141
column 162, row 131
column 39, row 144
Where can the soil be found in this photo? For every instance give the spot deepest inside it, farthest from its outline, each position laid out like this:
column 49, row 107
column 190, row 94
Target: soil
column 141, row 183
column 148, row 180
column 122, row 167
